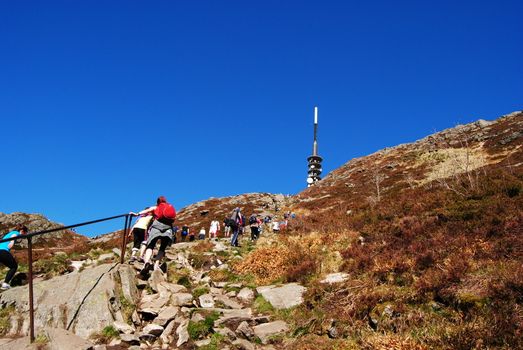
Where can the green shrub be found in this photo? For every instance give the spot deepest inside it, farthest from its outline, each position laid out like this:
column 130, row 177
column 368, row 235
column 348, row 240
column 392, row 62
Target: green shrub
column 198, row 330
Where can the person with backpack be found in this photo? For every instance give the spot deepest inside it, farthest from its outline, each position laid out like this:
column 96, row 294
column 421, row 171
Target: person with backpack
column 185, row 232
column 255, row 227
column 7, row 258
column 161, row 230
column 235, row 222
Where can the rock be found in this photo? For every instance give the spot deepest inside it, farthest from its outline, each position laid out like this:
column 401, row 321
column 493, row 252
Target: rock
column 203, row 342
column 115, row 343
column 156, row 279
column 283, row 297
column 117, row 252
column 153, row 329
column 173, row 288
column 182, row 333
column 226, row 332
column 219, row 284
column 128, row 283
column 229, row 303
column 243, row 344
column 156, row 302
column 206, row 301
column 77, row 265
column 123, row 327
column 88, row 296
column 130, row 339
column 245, row 330
column 107, row 256
column 61, row 339
column 335, row 278
column 166, row 315
column 166, row 336
column 246, row 295
column 234, row 315
column 146, row 337
column 266, row 330
column 149, row 314
column 388, row 311
column 182, row 299
column 197, row 317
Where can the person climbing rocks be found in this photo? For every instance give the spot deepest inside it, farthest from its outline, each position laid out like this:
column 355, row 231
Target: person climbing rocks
column 139, row 235
column 201, row 234
column 214, row 229
column 7, row 258
column 255, row 227
column 235, row 222
column 185, row 232
column 160, row 230
column 227, row 228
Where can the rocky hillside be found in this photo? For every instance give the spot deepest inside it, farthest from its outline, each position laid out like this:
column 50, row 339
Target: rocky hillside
column 419, row 246
column 45, row 245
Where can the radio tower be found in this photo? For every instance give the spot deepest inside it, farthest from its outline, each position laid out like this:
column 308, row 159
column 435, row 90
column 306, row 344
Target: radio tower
column 314, row 160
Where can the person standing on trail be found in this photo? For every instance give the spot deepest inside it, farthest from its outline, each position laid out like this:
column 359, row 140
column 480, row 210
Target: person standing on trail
column 201, row 234
column 138, row 231
column 213, row 229
column 255, row 227
column 235, row 222
column 7, row 258
column 161, row 230
column 185, row 232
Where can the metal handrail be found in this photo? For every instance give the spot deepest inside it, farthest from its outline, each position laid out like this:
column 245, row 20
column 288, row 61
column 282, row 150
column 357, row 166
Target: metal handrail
column 29, row 238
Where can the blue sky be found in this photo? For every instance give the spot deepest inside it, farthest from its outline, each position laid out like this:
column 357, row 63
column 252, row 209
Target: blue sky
column 105, row 105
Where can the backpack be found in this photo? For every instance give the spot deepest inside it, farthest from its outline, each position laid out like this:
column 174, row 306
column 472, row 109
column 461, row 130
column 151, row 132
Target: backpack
column 252, row 220
column 165, row 211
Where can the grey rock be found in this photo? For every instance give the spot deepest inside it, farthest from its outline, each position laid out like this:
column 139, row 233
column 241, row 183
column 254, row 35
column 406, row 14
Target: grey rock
column 130, row 339
column 166, row 315
column 156, row 279
column 229, row 303
column 61, row 339
column 123, row 327
column 203, row 342
column 335, row 278
column 246, row 295
column 243, row 344
column 206, row 301
column 197, row 317
column 226, row 332
column 245, row 330
column 167, row 335
column 117, row 252
column 104, row 257
column 235, row 315
column 266, row 330
column 153, row 329
column 182, row 333
column 182, row 299
column 283, row 297
column 89, row 295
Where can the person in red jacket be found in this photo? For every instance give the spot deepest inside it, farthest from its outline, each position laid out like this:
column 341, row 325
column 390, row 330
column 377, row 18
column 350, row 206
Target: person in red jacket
column 160, row 230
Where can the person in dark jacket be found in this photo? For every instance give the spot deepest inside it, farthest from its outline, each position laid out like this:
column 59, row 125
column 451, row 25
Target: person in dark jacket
column 235, row 222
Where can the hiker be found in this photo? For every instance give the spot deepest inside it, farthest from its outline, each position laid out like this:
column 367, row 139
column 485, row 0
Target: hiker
column 160, row 230
column 191, row 236
column 7, row 258
column 201, row 234
column 235, row 222
column 275, row 226
column 213, row 229
column 227, row 229
column 185, row 232
column 255, row 227
column 139, row 238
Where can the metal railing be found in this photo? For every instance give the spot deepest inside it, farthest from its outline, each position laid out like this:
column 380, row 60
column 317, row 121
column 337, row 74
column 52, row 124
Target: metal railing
column 29, row 238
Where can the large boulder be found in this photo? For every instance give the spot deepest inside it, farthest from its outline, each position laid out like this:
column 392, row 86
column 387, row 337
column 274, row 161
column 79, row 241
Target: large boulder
column 283, row 297
column 82, row 303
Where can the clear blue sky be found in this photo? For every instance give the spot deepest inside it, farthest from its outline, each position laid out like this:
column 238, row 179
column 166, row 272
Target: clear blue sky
column 105, row 105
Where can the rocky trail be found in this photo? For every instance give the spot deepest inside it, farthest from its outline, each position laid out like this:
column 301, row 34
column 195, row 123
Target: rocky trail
column 180, row 306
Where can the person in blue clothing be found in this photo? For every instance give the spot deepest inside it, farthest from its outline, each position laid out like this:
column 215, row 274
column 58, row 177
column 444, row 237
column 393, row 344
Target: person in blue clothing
column 7, row 258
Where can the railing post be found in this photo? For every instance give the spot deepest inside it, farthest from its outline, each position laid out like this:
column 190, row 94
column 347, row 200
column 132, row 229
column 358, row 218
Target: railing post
column 124, row 238
column 31, row 309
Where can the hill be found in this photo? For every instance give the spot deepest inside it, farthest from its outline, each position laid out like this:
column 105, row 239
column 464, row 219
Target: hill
column 418, row 246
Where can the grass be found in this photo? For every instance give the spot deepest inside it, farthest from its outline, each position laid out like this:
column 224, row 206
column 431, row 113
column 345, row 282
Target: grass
column 105, row 335
column 199, row 330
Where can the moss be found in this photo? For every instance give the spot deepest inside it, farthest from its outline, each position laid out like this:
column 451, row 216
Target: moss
column 215, row 344
column 5, row 319
column 261, row 305
column 200, row 291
